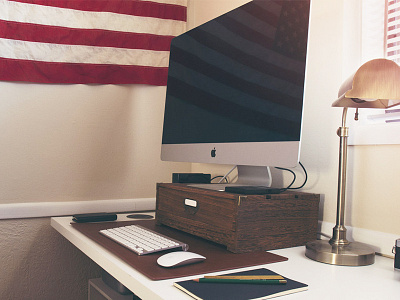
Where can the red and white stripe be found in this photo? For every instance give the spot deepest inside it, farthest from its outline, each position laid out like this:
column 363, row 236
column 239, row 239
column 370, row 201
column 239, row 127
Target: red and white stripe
column 88, row 41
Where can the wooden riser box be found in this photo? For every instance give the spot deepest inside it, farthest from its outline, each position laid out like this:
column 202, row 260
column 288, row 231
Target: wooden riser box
column 242, row 223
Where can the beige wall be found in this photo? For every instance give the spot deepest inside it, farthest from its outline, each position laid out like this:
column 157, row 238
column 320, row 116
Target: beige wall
column 80, row 142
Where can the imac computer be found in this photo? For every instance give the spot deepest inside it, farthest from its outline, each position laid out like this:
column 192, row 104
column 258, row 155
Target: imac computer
column 235, row 90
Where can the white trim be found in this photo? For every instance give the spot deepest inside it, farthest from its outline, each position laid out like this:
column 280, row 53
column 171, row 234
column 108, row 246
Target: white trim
column 51, row 209
column 367, row 132
column 72, row 18
column 373, row 28
column 48, row 52
column 381, row 242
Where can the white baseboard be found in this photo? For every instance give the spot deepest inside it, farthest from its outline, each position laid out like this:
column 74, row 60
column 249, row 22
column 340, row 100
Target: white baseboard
column 52, row 209
column 381, row 242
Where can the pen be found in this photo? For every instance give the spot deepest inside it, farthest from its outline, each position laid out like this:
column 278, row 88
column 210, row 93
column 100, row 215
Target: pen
column 246, row 277
column 241, row 281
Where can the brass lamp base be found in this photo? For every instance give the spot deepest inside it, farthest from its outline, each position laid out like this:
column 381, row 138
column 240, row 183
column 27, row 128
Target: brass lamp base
column 352, row 254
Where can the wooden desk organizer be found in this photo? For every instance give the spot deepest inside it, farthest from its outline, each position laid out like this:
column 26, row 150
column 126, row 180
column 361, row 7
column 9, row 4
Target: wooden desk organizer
column 242, row 223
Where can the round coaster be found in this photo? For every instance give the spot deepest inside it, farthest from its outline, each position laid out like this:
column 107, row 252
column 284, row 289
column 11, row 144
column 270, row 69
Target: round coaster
column 140, row 216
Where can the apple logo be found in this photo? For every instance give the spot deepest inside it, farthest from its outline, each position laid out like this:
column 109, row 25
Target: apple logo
column 213, row 152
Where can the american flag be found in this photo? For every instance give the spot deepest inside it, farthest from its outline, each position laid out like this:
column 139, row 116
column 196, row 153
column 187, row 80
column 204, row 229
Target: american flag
column 88, row 41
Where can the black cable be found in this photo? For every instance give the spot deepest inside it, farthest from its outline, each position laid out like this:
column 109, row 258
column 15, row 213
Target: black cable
column 220, row 176
column 289, row 187
column 305, row 179
column 294, row 177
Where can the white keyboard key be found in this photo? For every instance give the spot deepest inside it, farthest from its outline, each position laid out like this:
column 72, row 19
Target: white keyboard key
column 142, row 240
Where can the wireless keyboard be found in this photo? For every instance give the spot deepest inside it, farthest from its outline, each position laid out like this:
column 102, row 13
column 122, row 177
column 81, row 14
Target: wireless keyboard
column 142, row 240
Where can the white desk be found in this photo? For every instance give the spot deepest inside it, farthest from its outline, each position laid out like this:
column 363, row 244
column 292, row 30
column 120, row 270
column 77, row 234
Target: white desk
column 374, row 282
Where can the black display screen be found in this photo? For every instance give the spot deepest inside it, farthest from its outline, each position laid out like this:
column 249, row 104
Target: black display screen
column 239, row 77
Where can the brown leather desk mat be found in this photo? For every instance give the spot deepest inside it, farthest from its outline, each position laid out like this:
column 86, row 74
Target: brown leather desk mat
column 218, row 258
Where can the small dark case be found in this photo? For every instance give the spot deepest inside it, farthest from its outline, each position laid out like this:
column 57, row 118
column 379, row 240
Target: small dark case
column 396, row 251
column 252, row 190
column 94, row 217
column 191, row 178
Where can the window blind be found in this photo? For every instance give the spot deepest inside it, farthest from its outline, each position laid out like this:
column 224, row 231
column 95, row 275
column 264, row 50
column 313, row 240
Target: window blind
column 392, row 52
column 392, row 34
column 393, row 30
column 380, row 37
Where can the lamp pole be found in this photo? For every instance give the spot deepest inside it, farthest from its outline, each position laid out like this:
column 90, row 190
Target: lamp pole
column 338, row 250
column 339, row 231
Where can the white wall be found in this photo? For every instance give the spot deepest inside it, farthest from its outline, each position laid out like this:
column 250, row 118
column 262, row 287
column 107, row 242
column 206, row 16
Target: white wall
column 335, row 53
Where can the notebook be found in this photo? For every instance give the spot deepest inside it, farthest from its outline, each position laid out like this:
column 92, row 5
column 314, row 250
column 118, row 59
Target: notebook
column 229, row 291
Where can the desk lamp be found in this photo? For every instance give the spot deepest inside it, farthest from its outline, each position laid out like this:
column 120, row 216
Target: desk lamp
column 376, row 84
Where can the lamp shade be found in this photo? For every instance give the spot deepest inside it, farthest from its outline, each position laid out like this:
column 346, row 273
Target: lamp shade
column 376, row 84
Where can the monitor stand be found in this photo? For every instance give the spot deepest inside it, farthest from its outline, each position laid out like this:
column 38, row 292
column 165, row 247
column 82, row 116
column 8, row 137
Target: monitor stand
column 247, row 176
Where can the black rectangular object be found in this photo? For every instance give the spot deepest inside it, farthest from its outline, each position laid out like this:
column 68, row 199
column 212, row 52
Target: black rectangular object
column 191, row 178
column 396, row 251
column 94, row 217
column 252, row 190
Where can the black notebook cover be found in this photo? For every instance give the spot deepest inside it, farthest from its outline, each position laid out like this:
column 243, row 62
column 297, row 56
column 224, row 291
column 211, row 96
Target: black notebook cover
column 225, row 291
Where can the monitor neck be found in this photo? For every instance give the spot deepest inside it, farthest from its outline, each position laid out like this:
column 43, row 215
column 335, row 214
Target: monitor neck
column 254, row 175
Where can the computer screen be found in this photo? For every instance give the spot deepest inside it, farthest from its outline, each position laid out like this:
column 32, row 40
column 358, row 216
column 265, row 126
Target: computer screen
column 236, row 87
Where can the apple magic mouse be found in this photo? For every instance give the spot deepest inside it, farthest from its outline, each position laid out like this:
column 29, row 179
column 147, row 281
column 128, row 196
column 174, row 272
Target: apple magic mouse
column 179, row 258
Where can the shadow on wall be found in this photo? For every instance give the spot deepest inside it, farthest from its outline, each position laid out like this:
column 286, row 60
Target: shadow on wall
column 39, row 264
